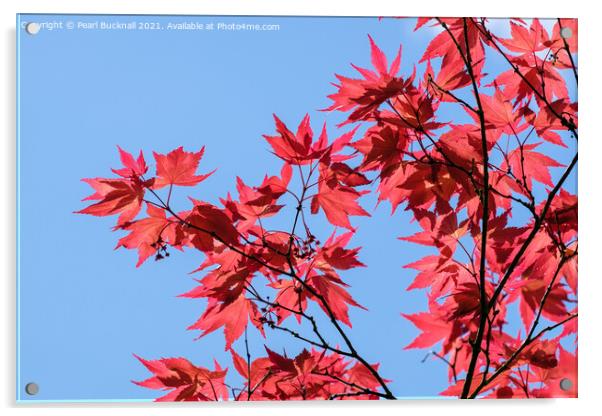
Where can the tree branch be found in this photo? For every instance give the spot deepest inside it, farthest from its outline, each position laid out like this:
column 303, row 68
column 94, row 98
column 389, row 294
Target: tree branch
column 476, row 345
column 568, row 51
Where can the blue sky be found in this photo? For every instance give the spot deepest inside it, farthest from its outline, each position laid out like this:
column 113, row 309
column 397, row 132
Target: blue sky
column 84, row 308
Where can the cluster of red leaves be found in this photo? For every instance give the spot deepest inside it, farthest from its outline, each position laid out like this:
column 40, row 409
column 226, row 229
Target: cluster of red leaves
column 238, row 247
column 438, row 171
column 308, row 376
column 463, row 183
column 235, row 244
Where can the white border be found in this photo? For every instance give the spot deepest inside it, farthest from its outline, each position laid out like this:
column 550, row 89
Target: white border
column 590, row 188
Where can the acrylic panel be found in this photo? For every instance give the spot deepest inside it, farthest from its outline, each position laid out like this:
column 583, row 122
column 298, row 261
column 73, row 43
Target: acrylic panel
column 219, row 208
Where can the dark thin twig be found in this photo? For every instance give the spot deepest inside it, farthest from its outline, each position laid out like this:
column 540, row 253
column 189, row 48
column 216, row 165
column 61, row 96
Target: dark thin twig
column 568, row 51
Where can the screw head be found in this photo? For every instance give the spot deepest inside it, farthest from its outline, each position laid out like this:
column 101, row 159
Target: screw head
column 566, row 32
column 32, row 389
column 565, row 384
column 32, row 28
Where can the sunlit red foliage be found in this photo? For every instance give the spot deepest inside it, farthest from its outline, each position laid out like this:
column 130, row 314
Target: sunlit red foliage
column 488, row 198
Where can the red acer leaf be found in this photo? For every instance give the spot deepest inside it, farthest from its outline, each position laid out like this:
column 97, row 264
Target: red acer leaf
column 426, row 184
column 115, row 196
column 261, row 370
column 414, row 109
column 291, row 296
column 364, row 96
column 442, row 232
column 119, row 196
column 258, row 202
column 274, row 187
column 338, row 204
column 360, row 375
column 209, row 224
column 232, row 316
column 557, row 42
column 149, row 235
column 526, row 40
column 301, row 148
column 293, row 148
column 382, row 147
column 435, row 272
column 344, row 174
column 524, row 87
column 296, row 149
column 334, row 254
column 185, row 381
column 532, row 165
column 178, row 168
column 504, row 392
column 132, row 167
column 500, row 114
column 280, row 362
column 433, row 325
column 451, row 76
column 332, row 289
column 532, row 293
column 546, row 123
column 443, row 45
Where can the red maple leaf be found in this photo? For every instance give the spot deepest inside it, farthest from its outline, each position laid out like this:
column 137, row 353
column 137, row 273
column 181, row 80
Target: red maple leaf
column 382, row 147
column 149, row 234
column 451, row 76
column 255, row 203
column 332, row 289
column 526, row 40
column 443, row 45
column 294, row 148
column 364, row 96
column 546, row 123
column 119, row 196
column 533, row 70
column 178, row 168
column 413, row 109
column 132, row 167
column 206, row 223
column 115, row 196
column 338, row 204
column 434, row 326
column 184, row 380
column 261, row 370
column 500, row 114
column 530, row 165
column 338, row 201
column 300, row 148
column 292, row 296
column 233, row 316
column 334, row 254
